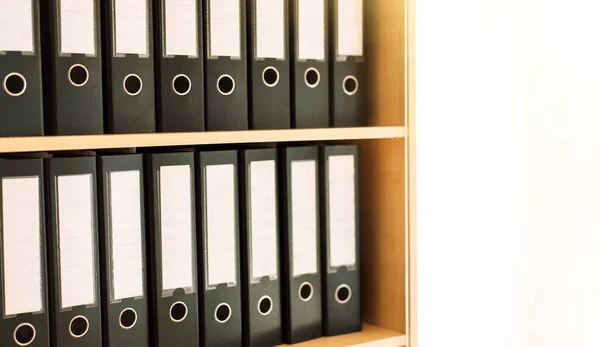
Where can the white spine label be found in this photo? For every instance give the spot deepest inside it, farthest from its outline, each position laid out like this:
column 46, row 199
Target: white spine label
column 220, row 223
column 304, row 217
column 270, row 29
column 263, row 219
column 181, row 28
column 126, row 235
column 16, row 25
column 21, row 245
column 178, row 265
column 350, row 27
column 342, row 211
column 76, row 241
column 224, row 28
column 311, row 29
column 131, row 27
column 77, row 27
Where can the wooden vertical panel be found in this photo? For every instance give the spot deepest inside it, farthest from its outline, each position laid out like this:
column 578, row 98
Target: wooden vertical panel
column 384, row 252
column 411, row 225
column 385, row 42
column 383, row 262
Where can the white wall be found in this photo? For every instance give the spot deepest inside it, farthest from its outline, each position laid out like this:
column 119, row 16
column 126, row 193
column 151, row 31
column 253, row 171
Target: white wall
column 564, row 175
column 508, row 173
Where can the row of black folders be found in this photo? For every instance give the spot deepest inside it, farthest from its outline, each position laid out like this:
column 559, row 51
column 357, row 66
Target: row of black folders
column 137, row 66
column 216, row 248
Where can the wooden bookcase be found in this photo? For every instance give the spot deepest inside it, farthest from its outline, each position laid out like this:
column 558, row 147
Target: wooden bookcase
column 386, row 173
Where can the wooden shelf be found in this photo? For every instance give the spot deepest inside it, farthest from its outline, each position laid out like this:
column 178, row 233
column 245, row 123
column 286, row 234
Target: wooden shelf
column 89, row 142
column 370, row 336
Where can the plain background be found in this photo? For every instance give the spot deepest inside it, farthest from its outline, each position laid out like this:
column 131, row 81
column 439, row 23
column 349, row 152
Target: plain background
column 508, row 173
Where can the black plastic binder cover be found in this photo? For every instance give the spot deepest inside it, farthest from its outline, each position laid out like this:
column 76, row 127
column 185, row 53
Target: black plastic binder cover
column 348, row 110
column 23, row 115
column 270, row 106
column 226, row 112
column 26, row 168
column 178, row 112
column 126, row 113
column 164, row 331
column 301, row 320
column 259, row 330
column 71, row 110
column 349, row 106
column 113, row 334
column 310, row 104
column 60, row 320
column 215, row 333
column 339, row 318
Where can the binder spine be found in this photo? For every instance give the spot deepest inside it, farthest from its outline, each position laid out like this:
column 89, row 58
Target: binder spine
column 73, row 88
column 180, row 78
column 78, row 325
column 269, row 92
column 348, row 76
column 310, row 76
column 128, row 74
column 31, row 328
column 341, row 284
column 302, row 298
column 174, row 315
column 124, row 320
column 21, row 97
column 221, row 302
column 226, row 81
column 261, row 297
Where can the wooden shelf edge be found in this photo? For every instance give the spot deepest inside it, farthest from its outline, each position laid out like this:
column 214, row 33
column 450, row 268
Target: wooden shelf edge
column 370, row 336
column 90, row 142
